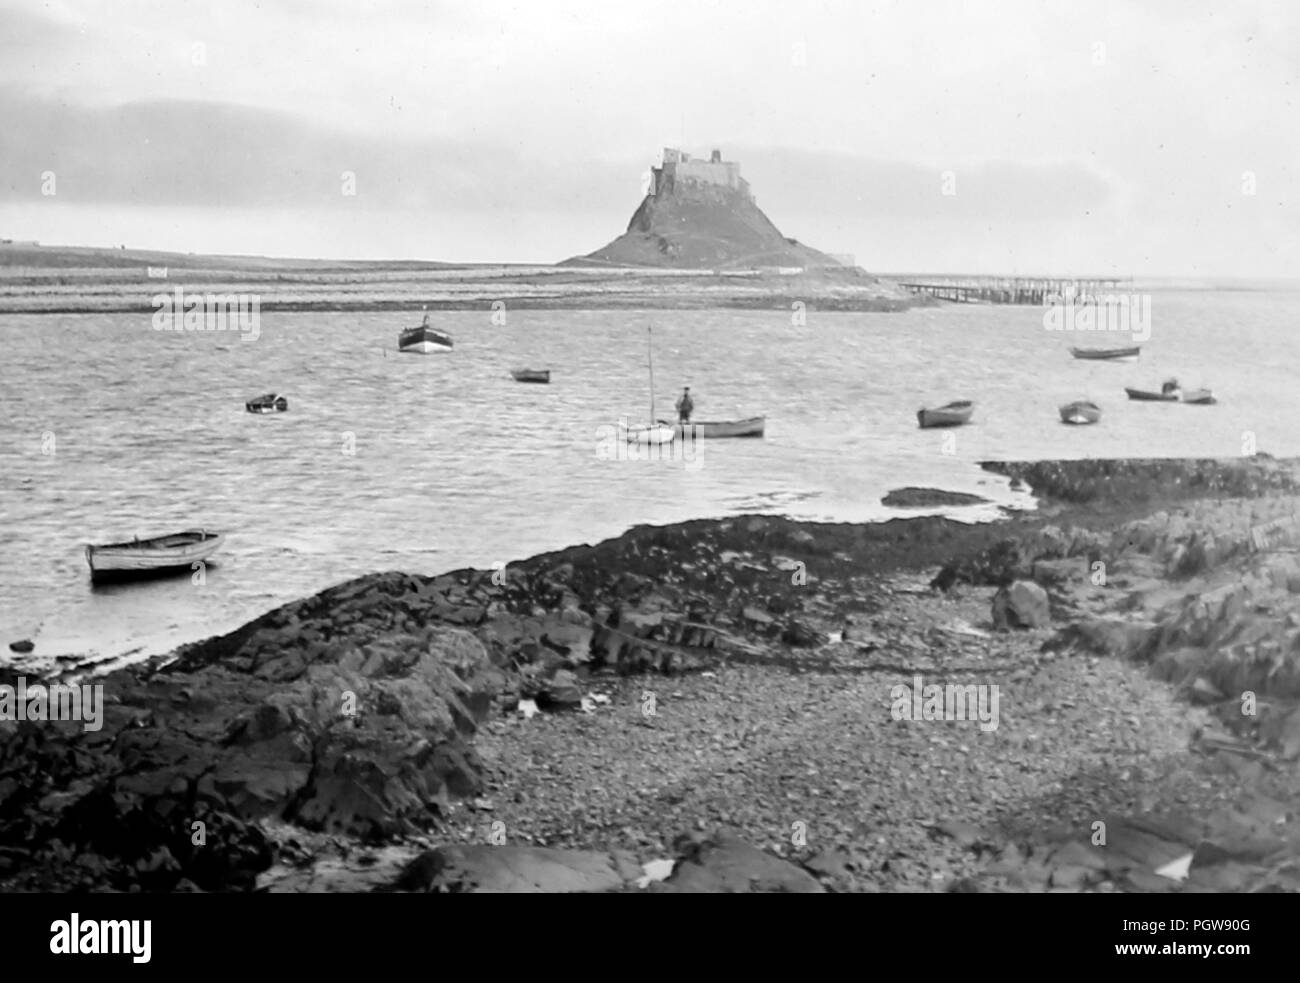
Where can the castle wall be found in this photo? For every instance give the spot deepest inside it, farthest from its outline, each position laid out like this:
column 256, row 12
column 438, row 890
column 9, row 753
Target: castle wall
column 679, row 166
column 725, row 173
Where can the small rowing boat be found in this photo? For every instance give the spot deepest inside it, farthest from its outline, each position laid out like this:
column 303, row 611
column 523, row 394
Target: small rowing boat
column 270, row 403
column 1080, row 411
column 1200, row 397
column 531, row 375
column 151, row 557
column 1108, row 354
column 1169, row 393
column 952, row 414
column 1169, row 396
column 751, row 427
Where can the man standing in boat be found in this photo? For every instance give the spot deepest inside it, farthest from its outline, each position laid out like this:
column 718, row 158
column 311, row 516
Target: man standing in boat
column 684, row 406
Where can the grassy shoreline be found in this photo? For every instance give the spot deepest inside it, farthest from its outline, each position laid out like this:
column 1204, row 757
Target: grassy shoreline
column 66, row 281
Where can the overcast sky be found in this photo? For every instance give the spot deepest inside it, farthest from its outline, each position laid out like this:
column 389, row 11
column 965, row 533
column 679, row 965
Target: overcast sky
column 1159, row 138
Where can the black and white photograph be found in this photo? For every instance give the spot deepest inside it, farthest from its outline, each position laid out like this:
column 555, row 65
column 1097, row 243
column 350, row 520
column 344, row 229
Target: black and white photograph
column 591, row 447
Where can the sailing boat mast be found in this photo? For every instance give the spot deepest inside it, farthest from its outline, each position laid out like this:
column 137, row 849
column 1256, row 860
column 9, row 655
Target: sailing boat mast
column 651, row 358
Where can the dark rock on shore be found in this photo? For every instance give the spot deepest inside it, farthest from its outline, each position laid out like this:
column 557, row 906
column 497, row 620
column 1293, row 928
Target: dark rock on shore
column 717, row 864
column 1018, row 558
column 726, row 864
column 925, row 498
column 364, row 733
column 486, row 869
column 1138, row 481
column 1023, row 604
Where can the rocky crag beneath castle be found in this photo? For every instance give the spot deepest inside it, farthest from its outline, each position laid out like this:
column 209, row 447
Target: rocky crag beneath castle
column 702, row 215
column 695, row 692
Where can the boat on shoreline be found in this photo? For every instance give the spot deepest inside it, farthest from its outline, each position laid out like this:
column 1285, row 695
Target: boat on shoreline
column 269, row 403
column 1081, row 411
column 531, row 375
column 751, row 427
column 953, row 414
column 1108, row 354
column 158, row 556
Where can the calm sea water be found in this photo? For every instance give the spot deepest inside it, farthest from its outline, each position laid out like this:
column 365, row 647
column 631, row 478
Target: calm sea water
column 109, row 428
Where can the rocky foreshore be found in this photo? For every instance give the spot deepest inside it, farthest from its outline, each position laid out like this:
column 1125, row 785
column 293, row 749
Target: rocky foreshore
column 714, row 706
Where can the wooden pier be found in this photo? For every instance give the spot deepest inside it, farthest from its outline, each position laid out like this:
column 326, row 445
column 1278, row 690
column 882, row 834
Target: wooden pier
column 1017, row 290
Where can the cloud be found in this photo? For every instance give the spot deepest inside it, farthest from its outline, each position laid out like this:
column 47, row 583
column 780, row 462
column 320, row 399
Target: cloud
column 796, row 181
column 1136, row 123
column 196, row 153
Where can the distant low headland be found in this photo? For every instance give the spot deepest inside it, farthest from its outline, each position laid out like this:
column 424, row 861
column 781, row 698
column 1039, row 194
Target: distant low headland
column 698, row 240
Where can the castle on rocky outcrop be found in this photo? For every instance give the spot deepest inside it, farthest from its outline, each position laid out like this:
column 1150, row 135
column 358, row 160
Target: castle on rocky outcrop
column 701, row 214
column 679, row 167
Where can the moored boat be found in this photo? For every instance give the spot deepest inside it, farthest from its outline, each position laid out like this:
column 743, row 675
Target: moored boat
column 1080, row 411
column 1202, row 397
column 151, row 557
column 531, row 375
column 952, row 414
column 654, row 433
column 751, row 427
column 424, row 339
column 269, row 403
column 1169, row 393
column 1108, row 354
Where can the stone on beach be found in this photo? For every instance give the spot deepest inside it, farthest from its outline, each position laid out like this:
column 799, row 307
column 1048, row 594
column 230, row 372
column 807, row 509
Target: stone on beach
column 488, row 869
column 1023, row 604
column 726, row 864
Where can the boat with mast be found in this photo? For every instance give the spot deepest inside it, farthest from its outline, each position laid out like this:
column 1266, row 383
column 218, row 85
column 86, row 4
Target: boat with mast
column 653, row 432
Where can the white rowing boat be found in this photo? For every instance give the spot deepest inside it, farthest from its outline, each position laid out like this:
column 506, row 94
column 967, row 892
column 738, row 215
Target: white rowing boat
column 654, row 433
column 751, row 427
column 148, row 557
